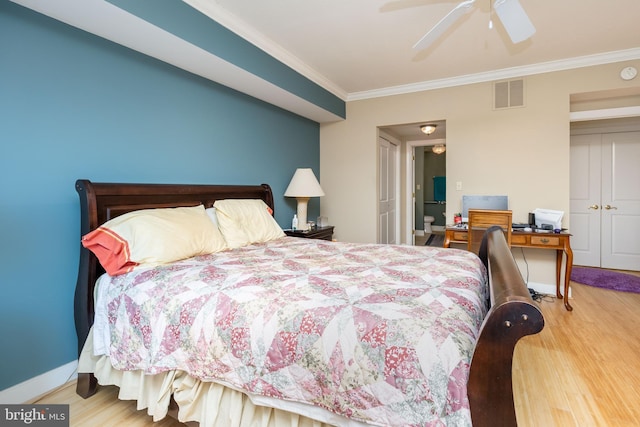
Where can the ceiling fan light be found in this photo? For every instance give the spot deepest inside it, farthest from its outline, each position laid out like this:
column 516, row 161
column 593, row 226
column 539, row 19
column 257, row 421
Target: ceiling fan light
column 439, row 148
column 428, row 129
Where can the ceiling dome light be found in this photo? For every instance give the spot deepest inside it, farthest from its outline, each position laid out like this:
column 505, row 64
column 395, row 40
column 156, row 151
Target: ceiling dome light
column 428, row 129
column 439, row 148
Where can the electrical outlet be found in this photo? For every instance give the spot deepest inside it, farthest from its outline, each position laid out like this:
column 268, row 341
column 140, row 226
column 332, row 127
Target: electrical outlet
column 459, row 185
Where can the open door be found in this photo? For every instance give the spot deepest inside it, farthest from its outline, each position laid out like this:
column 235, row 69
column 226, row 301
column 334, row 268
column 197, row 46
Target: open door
column 388, row 200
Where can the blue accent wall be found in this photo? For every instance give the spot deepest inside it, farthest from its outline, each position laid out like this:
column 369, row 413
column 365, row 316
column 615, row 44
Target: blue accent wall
column 73, row 105
column 180, row 19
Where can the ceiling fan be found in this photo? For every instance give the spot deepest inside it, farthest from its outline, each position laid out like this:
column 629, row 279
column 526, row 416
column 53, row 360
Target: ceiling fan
column 510, row 12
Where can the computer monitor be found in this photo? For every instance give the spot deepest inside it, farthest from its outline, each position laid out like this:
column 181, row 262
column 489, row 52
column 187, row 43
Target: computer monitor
column 499, row 203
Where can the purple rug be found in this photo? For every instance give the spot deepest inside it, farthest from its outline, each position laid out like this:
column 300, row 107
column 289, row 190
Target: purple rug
column 606, row 279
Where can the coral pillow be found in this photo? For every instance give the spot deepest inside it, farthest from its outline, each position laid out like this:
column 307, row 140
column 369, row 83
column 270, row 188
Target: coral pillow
column 153, row 236
column 246, row 221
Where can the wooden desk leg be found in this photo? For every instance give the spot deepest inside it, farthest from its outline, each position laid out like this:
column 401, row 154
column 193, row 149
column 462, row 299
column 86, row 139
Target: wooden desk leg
column 567, row 275
column 559, row 253
column 447, row 241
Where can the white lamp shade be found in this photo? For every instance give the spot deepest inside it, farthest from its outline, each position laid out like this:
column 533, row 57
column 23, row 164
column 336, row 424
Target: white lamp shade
column 304, row 184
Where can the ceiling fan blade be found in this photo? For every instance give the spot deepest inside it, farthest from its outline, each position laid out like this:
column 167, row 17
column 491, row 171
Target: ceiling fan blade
column 515, row 20
column 444, row 24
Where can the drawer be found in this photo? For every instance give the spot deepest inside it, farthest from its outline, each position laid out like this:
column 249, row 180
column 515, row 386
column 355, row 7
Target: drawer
column 518, row 240
column 460, row 236
column 324, row 236
column 545, row 241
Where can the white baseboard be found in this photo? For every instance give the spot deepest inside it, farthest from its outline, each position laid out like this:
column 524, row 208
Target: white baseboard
column 27, row 391
column 545, row 288
column 419, row 232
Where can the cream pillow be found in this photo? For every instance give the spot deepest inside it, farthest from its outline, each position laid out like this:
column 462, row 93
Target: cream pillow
column 246, row 221
column 211, row 213
column 153, row 236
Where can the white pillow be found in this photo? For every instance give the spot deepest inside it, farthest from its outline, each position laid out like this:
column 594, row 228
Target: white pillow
column 153, row 236
column 246, row 221
column 211, row 212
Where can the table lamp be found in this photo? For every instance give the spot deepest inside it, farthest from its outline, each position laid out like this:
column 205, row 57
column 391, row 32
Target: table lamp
column 303, row 186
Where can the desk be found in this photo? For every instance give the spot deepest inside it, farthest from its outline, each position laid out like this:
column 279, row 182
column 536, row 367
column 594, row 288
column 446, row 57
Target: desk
column 522, row 239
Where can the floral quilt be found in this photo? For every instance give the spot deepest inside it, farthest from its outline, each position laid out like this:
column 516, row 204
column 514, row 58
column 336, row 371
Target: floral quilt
column 381, row 334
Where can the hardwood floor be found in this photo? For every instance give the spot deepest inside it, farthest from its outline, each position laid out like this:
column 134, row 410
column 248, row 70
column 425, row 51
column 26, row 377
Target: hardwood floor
column 582, row 370
column 103, row 409
column 422, row 240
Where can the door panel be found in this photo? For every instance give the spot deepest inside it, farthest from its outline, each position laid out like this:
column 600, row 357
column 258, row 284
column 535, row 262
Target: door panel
column 621, row 200
column 387, row 190
column 585, row 192
column 393, row 196
column 383, row 190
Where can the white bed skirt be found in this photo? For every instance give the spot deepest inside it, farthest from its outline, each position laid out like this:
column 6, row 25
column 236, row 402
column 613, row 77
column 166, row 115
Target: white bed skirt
column 209, row 404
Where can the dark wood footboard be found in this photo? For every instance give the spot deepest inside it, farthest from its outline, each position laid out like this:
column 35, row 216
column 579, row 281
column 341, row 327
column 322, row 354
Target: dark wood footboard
column 513, row 315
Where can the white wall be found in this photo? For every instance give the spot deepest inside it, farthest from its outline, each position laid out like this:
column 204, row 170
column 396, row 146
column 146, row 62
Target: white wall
column 522, row 152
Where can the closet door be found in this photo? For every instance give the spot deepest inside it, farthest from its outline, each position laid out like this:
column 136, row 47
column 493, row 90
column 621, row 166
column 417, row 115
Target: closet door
column 620, row 213
column 585, row 190
column 605, row 200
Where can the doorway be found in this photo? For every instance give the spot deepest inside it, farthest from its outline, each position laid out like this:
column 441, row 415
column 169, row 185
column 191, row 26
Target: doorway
column 605, row 196
column 409, row 136
column 429, row 184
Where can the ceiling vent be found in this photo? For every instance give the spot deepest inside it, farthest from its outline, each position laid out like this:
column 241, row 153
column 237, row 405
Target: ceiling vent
column 508, row 94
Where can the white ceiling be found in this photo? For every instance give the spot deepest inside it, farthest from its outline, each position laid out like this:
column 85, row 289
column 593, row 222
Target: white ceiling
column 363, row 48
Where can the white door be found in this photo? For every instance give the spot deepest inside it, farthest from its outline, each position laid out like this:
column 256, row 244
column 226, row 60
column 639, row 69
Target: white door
column 605, row 200
column 620, row 211
column 585, row 199
column 387, row 189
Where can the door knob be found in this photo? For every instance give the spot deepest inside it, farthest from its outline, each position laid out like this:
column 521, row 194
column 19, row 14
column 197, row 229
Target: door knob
column 607, row 207
column 593, row 207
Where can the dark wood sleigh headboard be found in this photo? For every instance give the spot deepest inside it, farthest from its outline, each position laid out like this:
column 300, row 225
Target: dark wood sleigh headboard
column 100, row 202
column 512, row 314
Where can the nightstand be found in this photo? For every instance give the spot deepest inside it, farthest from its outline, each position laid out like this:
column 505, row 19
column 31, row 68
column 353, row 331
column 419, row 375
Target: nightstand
column 322, row 233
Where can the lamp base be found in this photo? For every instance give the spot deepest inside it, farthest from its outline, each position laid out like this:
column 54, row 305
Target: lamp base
column 302, row 213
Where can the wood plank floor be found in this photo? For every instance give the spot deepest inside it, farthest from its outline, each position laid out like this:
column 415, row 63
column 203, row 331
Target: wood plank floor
column 103, row 409
column 582, row 370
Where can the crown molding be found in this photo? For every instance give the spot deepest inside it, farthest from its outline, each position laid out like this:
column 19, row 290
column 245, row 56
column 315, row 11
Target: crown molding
column 250, row 34
column 239, row 27
column 79, row 13
column 505, row 73
column 242, row 29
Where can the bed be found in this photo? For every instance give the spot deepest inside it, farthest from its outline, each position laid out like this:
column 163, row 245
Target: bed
column 286, row 365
